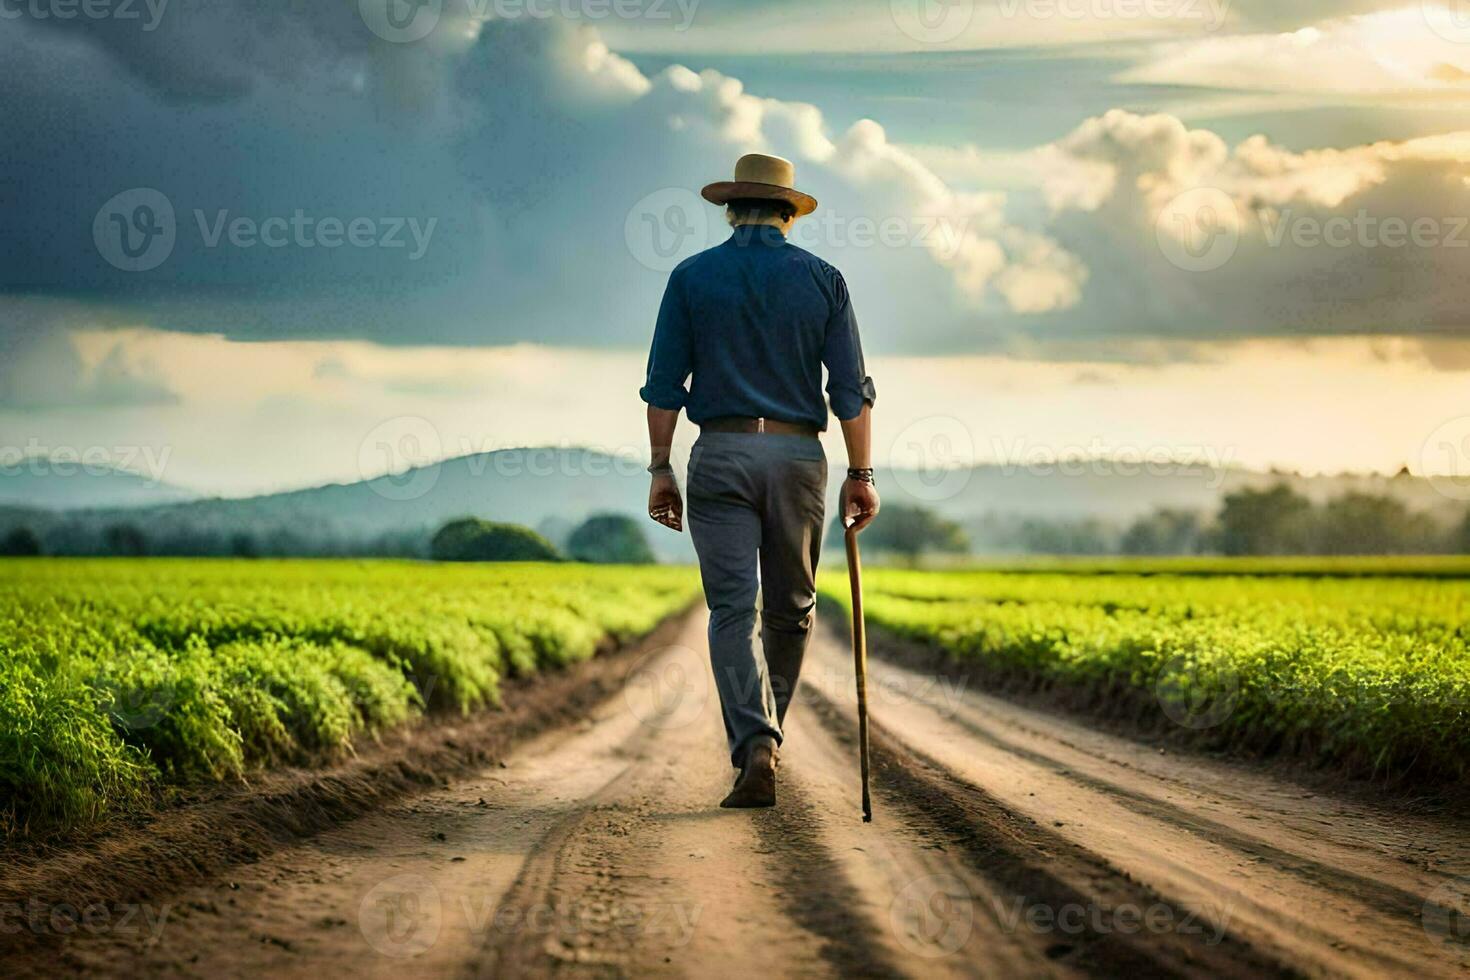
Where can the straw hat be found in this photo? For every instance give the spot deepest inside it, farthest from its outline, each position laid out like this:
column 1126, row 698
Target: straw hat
column 763, row 177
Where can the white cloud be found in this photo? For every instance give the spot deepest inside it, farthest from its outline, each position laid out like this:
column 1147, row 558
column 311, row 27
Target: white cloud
column 1366, row 239
column 749, row 27
column 1385, row 52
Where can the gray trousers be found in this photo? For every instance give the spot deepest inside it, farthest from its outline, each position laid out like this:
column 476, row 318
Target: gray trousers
column 756, row 504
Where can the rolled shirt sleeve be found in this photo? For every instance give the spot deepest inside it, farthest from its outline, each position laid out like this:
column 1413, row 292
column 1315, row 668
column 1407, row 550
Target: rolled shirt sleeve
column 670, row 358
column 848, row 386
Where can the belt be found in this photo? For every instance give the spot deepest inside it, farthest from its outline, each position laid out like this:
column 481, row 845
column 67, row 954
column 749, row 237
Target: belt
column 740, row 423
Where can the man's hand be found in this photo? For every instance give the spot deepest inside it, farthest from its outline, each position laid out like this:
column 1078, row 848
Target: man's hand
column 664, row 503
column 859, row 502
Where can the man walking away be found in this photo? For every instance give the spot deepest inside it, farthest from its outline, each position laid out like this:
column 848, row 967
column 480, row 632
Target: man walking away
column 750, row 324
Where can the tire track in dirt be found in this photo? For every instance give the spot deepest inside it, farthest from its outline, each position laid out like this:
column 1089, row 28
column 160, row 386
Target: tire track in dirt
column 816, row 890
column 585, row 918
column 601, row 909
column 1385, row 898
column 1296, row 881
column 901, row 896
column 1028, row 867
column 763, row 885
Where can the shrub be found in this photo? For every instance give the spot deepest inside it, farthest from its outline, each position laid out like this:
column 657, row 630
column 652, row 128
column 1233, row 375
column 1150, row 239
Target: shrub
column 610, row 539
column 472, row 539
column 20, row 543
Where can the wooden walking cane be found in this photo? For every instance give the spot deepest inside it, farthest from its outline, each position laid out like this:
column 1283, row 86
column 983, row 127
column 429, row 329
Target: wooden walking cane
column 859, row 660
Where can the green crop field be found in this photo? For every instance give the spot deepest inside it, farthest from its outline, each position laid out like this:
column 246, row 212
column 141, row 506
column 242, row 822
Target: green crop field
column 1321, row 660
column 119, row 678
column 1307, row 566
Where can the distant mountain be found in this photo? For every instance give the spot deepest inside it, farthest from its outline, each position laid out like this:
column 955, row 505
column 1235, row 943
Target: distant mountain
column 555, row 489
column 64, row 485
column 394, row 513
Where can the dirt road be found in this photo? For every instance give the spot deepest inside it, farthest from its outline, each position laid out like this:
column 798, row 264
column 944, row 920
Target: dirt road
column 1005, row 843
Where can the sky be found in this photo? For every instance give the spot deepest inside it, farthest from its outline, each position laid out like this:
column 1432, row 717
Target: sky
column 275, row 243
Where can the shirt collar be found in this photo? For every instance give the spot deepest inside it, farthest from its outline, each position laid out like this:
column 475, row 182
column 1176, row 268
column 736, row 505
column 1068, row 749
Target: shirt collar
column 757, row 234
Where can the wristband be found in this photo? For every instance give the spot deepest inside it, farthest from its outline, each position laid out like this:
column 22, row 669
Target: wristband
column 661, row 469
column 862, row 474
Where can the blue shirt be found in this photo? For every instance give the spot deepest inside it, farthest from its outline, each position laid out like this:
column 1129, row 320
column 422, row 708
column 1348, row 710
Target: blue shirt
column 754, row 321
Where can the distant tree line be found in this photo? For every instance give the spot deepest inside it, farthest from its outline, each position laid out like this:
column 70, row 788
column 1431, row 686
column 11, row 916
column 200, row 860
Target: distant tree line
column 1275, row 520
column 1279, row 521
column 602, row 538
column 906, row 533
column 82, row 537
column 1272, row 521
column 1047, row 536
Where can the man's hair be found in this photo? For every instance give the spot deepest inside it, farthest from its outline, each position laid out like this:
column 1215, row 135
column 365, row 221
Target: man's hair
column 758, row 209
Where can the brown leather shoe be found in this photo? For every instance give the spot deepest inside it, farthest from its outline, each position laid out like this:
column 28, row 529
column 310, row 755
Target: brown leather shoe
column 756, row 785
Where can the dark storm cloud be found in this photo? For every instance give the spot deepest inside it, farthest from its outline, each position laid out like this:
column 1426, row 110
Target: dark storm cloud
column 275, row 170
column 329, row 200
column 210, row 50
column 338, row 200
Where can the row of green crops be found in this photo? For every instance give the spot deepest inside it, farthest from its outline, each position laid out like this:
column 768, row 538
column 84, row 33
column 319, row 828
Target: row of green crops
column 118, row 678
column 1343, row 566
column 1368, row 672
